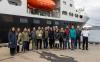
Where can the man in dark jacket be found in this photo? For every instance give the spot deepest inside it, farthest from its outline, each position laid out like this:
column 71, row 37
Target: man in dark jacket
column 57, row 38
column 78, row 35
column 12, row 41
column 61, row 39
column 51, row 37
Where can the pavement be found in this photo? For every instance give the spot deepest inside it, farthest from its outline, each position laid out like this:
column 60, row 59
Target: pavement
column 53, row 55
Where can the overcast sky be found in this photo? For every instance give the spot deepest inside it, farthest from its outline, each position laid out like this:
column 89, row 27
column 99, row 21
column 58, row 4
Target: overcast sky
column 92, row 8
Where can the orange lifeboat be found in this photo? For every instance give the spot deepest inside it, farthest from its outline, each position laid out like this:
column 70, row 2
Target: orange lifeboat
column 42, row 4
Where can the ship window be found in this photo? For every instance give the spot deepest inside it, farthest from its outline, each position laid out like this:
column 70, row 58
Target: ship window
column 15, row 2
column 48, row 22
column 64, row 2
column 64, row 12
column 56, row 23
column 71, row 5
column 76, row 10
column 23, row 20
column 81, row 16
column 70, row 14
column 7, row 18
column 36, row 21
column 76, row 15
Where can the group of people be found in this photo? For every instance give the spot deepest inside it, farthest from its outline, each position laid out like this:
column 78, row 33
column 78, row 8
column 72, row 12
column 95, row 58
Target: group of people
column 47, row 37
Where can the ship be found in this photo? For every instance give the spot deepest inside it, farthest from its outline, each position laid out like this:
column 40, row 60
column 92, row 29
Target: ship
column 34, row 13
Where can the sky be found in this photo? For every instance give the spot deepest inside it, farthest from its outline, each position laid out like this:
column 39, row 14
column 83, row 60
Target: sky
column 92, row 8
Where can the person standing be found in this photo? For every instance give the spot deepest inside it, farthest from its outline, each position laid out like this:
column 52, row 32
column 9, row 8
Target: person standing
column 67, row 43
column 54, row 31
column 12, row 41
column 61, row 39
column 45, row 38
column 73, row 37
column 30, row 38
column 51, row 37
column 78, row 36
column 25, row 39
column 39, row 34
column 57, row 38
column 33, row 35
column 18, row 34
column 85, row 34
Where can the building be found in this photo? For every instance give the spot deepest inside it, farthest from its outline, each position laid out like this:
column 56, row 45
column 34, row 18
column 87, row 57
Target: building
column 16, row 13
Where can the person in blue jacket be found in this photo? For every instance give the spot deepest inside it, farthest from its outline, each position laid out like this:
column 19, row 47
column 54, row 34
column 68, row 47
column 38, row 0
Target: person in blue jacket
column 12, row 41
column 73, row 37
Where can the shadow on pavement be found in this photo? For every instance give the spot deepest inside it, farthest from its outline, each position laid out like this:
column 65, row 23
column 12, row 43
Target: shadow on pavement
column 6, row 58
column 54, row 58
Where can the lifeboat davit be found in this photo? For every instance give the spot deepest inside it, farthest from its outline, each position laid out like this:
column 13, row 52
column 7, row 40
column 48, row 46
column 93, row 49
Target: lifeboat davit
column 42, row 4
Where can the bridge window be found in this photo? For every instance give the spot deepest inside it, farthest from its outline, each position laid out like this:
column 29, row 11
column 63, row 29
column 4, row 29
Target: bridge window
column 15, row 2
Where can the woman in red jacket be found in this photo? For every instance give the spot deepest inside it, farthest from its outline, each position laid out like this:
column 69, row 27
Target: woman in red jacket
column 67, row 38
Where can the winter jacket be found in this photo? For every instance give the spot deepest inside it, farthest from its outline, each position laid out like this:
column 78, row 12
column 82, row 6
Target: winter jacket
column 78, row 33
column 25, row 36
column 45, row 34
column 12, row 40
column 61, row 35
column 57, row 35
column 72, row 33
column 67, row 31
column 19, row 35
column 33, row 34
column 51, row 34
column 39, row 34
